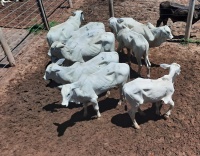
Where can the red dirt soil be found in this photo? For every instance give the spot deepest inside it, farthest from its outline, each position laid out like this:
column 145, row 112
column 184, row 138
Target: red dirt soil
column 34, row 123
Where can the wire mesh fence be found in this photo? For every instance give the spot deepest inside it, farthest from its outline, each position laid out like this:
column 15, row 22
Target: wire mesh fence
column 21, row 24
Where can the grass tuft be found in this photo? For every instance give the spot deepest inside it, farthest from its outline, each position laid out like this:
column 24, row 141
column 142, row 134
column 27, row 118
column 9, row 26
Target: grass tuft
column 185, row 42
column 40, row 27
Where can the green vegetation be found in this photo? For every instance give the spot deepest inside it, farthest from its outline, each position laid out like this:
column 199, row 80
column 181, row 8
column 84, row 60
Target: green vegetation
column 37, row 28
column 185, row 42
column 53, row 23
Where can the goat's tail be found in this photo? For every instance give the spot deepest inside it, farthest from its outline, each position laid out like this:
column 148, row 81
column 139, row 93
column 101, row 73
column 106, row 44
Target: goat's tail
column 124, row 98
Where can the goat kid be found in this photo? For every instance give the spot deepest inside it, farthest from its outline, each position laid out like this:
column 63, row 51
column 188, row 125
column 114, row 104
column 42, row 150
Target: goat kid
column 140, row 91
column 132, row 41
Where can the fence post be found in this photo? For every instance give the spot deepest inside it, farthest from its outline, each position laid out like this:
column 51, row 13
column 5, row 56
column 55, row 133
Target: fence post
column 70, row 3
column 6, row 49
column 111, row 10
column 189, row 19
column 43, row 14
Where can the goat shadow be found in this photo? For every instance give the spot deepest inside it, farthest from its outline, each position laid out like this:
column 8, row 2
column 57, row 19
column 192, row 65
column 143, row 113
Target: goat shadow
column 53, row 107
column 179, row 38
column 124, row 120
column 104, row 105
column 5, row 66
column 133, row 74
column 53, row 84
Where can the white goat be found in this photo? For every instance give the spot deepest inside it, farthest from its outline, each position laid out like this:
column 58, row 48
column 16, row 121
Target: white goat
column 6, row 1
column 154, row 35
column 137, row 27
column 140, row 91
column 64, row 75
column 87, row 88
column 133, row 41
column 63, row 31
column 82, row 50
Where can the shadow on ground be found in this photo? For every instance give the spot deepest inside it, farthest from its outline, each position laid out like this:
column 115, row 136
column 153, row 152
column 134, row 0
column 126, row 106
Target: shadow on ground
column 105, row 105
column 124, row 120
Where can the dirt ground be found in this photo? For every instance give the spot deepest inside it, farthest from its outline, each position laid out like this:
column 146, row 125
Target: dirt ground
column 33, row 123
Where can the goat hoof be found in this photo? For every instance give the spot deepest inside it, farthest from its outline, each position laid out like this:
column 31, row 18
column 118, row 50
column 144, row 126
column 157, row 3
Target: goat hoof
column 98, row 116
column 137, row 127
column 119, row 103
column 166, row 116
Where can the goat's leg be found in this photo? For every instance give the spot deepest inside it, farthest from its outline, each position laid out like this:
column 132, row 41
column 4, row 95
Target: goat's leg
column 96, row 107
column 131, row 113
column 121, row 96
column 129, row 56
column 158, row 107
column 141, row 112
column 85, row 109
column 139, row 63
column 170, row 109
column 108, row 93
column 3, row 1
column 159, row 21
column 165, row 21
column 120, row 47
column 148, row 64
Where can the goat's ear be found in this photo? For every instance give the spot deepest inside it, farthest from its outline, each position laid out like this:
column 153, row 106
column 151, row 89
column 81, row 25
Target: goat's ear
column 53, row 45
column 55, row 68
column 73, row 13
column 82, row 16
column 60, row 87
column 120, row 20
column 165, row 66
column 60, row 45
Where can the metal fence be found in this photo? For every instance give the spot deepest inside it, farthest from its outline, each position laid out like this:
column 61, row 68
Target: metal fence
column 22, row 24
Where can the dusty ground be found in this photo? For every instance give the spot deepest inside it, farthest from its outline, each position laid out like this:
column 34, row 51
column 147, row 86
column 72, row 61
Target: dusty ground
column 34, row 123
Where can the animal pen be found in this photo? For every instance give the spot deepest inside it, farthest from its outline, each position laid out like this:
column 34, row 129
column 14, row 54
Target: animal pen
column 24, row 20
column 33, row 121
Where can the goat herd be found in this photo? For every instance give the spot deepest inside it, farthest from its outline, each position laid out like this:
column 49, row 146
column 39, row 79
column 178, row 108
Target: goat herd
column 85, row 64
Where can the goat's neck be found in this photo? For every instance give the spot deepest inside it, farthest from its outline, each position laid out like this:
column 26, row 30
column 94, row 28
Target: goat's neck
column 120, row 29
column 157, row 37
column 77, row 18
column 172, row 74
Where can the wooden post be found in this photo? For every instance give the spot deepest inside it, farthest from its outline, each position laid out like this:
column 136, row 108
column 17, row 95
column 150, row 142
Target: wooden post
column 189, row 19
column 6, row 49
column 43, row 14
column 70, row 3
column 111, row 10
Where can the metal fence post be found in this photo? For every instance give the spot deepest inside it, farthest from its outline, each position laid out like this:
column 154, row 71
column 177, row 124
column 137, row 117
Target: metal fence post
column 189, row 19
column 70, row 3
column 111, row 10
column 6, row 49
column 43, row 14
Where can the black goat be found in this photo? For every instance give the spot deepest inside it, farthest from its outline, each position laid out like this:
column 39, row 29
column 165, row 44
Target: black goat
column 176, row 12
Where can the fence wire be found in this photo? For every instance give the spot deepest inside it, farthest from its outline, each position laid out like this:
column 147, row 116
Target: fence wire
column 26, row 21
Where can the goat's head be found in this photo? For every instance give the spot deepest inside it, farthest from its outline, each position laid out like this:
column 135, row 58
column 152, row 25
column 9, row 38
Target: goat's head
column 79, row 13
column 174, row 66
column 167, row 32
column 51, row 70
column 114, row 22
column 67, row 93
